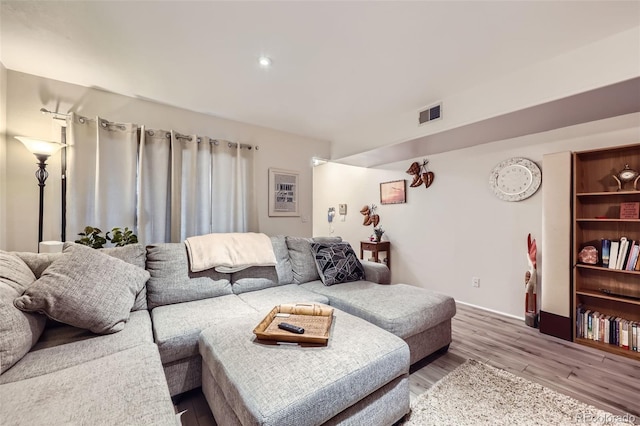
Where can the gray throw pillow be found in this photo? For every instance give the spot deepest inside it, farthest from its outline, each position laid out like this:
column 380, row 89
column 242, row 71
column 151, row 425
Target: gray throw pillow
column 19, row 331
column 337, row 263
column 134, row 254
column 86, row 288
column 302, row 259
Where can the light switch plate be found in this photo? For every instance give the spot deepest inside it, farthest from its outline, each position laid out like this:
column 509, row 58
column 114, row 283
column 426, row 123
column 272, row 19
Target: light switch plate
column 342, row 208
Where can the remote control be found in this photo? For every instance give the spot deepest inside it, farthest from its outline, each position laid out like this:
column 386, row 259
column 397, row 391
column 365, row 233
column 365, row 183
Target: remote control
column 290, row 327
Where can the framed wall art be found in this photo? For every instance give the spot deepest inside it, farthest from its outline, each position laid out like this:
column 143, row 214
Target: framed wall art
column 394, row 192
column 283, row 193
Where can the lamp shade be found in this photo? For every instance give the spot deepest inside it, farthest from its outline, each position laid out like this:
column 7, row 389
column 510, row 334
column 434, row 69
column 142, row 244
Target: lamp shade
column 41, row 147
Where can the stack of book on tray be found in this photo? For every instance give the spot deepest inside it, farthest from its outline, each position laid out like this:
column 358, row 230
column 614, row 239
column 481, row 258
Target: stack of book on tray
column 622, row 255
column 599, row 327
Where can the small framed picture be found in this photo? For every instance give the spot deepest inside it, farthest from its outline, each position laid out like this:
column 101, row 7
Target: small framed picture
column 283, row 193
column 394, row 192
column 629, row 210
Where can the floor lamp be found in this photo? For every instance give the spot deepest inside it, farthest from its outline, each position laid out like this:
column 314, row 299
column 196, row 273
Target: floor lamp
column 42, row 150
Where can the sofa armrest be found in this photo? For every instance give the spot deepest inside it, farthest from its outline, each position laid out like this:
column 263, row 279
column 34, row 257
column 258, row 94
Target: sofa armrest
column 376, row 272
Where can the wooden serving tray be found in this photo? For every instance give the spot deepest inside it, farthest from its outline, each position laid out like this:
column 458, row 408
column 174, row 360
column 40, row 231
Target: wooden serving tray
column 315, row 319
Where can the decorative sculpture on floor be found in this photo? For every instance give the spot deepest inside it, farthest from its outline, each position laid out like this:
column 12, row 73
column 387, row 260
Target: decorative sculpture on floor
column 530, row 284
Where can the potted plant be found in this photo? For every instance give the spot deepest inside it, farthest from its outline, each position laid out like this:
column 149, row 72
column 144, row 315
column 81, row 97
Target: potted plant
column 93, row 237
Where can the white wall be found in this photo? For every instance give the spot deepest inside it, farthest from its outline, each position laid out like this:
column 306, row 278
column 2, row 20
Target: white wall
column 3, row 157
column 28, row 93
column 457, row 229
column 605, row 62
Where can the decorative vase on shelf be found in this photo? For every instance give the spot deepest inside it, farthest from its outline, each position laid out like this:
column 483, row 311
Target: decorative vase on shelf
column 378, row 233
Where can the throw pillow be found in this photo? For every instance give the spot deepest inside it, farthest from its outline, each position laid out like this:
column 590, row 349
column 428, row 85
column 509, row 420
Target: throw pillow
column 337, row 263
column 135, row 254
column 86, row 288
column 19, row 331
column 302, row 258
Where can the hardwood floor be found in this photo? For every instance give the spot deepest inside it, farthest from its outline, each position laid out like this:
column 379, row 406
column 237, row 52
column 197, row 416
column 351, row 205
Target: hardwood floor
column 605, row 380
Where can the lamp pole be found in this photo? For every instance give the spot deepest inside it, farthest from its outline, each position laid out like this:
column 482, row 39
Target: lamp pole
column 41, row 175
column 42, row 150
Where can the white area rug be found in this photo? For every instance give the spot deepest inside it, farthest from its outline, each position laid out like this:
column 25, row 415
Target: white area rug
column 478, row 394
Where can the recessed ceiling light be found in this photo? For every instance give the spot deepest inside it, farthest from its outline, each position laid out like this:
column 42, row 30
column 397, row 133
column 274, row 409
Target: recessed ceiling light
column 264, row 61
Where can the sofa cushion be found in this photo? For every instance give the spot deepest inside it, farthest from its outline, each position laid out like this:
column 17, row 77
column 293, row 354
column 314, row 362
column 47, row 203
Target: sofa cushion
column 376, row 272
column 38, row 262
column 259, row 277
column 264, row 300
column 65, row 346
column 283, row 267
column 134, row 254
column 19, row 330
column 337, row 263
column 302, row 260
column 172, row 282
column 176, row 327
column 254, row 278
column 85, row 288
column 401, row 309
column 14, row 272
column 124, row 388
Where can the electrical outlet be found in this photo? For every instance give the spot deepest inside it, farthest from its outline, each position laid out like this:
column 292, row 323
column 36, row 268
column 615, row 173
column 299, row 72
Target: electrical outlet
column 475, row 282
column 342, row 209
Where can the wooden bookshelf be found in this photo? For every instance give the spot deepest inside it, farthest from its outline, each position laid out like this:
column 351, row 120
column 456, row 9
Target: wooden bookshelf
column 606, row 347
column 596, row 216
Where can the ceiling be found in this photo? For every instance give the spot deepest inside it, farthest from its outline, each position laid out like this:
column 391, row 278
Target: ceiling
column 334, row 63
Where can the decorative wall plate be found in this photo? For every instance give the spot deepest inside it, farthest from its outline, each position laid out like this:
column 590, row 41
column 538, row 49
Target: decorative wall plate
column 515, row 179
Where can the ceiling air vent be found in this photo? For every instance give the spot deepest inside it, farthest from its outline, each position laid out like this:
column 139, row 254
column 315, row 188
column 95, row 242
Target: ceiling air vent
column 434, row 112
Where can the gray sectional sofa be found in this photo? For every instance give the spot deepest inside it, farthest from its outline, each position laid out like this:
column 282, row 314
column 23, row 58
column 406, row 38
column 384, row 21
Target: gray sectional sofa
column 186, row 330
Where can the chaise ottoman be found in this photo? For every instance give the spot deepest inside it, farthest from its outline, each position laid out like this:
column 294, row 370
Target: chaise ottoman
column 419, row 316
column 359, row 377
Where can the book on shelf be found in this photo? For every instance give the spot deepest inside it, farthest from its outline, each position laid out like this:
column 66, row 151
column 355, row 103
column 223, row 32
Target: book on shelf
column 605, row 247
column 603, row 328
column 626, row 252
column 624, row 244
column 613, row 256
column 632, row 258
column 622, row 254
column 624, row 335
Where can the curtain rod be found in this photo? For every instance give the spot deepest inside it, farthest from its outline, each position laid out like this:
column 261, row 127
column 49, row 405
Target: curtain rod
column 168, row 135
column 46, row 111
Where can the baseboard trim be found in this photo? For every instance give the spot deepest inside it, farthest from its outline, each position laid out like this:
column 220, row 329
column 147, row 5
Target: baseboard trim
column 555, row 325
column 521, row 318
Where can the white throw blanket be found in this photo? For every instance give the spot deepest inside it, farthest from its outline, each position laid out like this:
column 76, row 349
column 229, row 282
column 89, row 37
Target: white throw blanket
column 230, row 252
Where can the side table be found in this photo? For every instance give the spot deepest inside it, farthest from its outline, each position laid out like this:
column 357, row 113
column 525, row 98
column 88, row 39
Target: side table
column 375, row 248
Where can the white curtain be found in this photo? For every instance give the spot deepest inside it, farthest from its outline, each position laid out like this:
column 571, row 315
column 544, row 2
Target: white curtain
column 101, row 174
column 154, row 187
column 175, row 186
column 232, row 186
